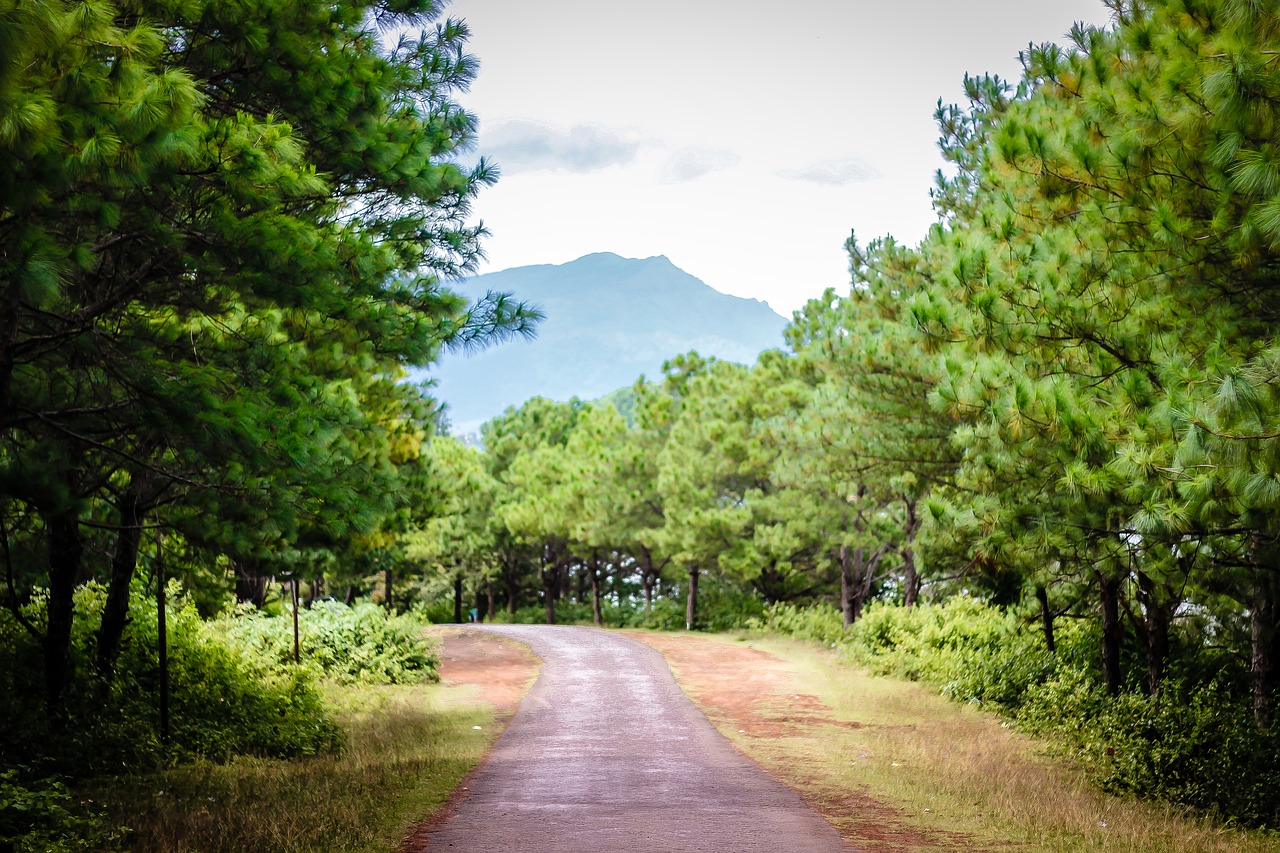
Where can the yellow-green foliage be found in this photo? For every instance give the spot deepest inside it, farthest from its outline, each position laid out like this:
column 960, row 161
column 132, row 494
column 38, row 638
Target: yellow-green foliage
column 362, row 643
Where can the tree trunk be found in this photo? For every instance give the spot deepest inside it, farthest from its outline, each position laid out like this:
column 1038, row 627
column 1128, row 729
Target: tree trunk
column 910, row 577
column 596, row 617
column 582, row 584
column 457, row 598
column 1264, row 598
column 513, row 586
column 1157, row 616
column 350, row 596
column 550, row 586
column 1046, row 619
column 550, row 583
column 389, row 589
column 65, row 552
column 691, row 606
column 488, row 595
column 846, row 587
column 315, row 591
column 124, row 562
column 251, row 584
column 1112, row 631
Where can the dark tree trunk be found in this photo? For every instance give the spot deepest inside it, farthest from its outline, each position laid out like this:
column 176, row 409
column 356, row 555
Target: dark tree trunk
column 910, row 577
column 389, row 590
column 1264, row 599
column 457, row 597
column 846, row 587
column 1156, row 617
column 596, row 616
column 315, row 591
column 1046, row 619
column 691, row 605
column 65, row 552
column 350, row 596
column 550, row 584
column 1112, row 631
column 582, row 584
column 488, row 595
column 513, row 585
column 124, row 562
column 251, row 584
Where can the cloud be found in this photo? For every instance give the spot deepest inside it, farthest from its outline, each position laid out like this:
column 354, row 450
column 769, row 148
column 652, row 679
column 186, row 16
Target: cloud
column 520, row 145
column 834, row 173
column 689, row 164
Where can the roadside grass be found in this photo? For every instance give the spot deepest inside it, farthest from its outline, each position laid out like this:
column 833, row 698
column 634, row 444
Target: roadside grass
column 407, row 749
column 954, row 773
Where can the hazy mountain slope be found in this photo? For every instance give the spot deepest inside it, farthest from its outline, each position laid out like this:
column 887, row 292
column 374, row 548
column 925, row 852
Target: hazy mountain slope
column 609, row 319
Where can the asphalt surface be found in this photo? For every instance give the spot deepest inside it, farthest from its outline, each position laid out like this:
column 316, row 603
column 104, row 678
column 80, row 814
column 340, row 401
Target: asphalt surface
column 607, row 754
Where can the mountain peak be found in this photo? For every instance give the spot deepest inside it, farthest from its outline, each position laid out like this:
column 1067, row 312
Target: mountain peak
column 608, row 320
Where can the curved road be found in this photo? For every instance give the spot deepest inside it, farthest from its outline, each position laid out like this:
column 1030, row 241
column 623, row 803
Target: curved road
column 607, row 754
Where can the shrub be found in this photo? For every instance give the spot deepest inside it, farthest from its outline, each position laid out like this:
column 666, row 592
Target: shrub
column 39, row 816
column 820, row 623
column 362, row 643
column 224, row 701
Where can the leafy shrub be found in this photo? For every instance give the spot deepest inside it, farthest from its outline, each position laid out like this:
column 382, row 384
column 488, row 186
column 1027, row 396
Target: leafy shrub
column 224, row 701
column 820, row 623
column 39, row 816
column 362, row 643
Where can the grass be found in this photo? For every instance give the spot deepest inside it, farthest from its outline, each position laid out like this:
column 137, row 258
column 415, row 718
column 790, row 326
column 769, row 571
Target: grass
column 407, row 748
column 954, row 775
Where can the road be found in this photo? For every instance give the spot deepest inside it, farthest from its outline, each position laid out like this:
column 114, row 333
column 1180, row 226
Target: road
column 606, row 755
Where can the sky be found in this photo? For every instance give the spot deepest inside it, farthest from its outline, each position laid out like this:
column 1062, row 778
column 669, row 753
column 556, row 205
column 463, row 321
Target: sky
column 743, row 140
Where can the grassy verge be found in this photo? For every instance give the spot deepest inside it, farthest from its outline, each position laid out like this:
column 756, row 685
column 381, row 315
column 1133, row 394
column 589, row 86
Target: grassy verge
column 407, row 749
column 895, row 766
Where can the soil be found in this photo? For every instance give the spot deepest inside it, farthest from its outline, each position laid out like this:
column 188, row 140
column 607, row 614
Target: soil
column 500, row 669
column 748, row 691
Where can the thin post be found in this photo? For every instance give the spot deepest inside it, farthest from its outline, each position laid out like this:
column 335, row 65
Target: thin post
column 297, row 652
column 162, row 630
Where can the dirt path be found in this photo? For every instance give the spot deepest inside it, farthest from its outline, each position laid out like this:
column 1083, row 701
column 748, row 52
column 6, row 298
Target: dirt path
column 606, row 754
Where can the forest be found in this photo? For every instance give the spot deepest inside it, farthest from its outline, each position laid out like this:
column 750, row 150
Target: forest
column 1033, row 461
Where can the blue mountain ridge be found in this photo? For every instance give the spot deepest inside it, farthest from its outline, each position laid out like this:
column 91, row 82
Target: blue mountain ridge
column 609, row 319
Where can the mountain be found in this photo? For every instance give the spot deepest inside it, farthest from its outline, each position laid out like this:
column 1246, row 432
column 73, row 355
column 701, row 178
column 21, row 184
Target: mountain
column 608, row 320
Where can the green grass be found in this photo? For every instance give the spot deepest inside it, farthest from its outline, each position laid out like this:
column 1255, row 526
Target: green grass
column 407, row 749
column 959, row 775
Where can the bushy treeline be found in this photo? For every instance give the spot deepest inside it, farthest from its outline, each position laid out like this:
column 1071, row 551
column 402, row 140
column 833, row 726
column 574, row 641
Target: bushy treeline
column 1196, row 746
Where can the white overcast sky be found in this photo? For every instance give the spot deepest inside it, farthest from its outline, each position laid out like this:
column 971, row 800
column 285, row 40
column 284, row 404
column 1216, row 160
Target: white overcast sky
column 742, row 140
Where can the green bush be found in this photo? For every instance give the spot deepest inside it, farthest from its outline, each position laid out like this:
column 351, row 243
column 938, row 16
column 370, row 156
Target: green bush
column 820, row 623
column 224, row 701
column 362, row 643
column 40, row 816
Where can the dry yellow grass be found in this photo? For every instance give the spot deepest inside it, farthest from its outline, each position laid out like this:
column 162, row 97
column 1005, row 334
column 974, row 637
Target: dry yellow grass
column 407, row 749
column 955, row 774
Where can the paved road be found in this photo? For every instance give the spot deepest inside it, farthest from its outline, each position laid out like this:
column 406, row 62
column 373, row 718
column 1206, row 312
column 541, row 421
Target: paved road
column 606, row 755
